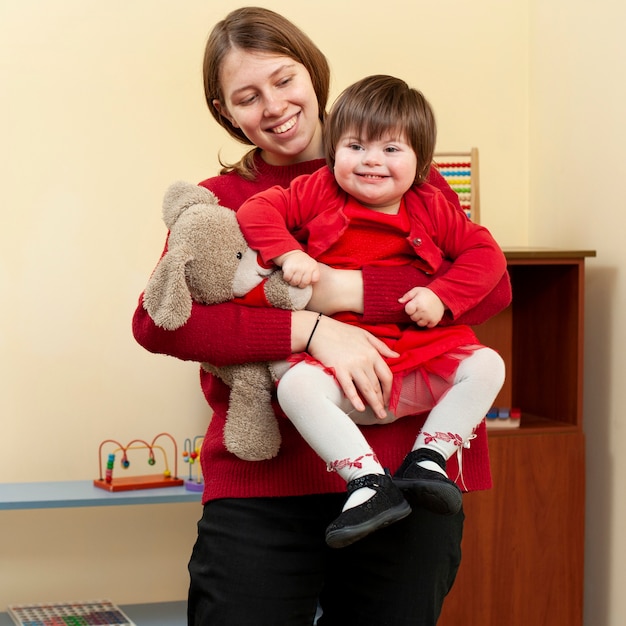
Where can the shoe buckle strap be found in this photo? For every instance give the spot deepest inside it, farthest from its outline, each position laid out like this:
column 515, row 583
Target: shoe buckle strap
column 373, row 481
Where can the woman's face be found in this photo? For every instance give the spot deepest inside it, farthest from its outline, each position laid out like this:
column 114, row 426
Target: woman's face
column 272, row 100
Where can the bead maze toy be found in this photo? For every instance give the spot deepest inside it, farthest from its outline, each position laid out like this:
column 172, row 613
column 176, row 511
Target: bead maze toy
column 460, row 169
column 146, row 481
column 69, row 614
column 191, row 456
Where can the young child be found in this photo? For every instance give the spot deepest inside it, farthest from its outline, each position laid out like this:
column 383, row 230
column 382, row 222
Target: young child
column 371, row 206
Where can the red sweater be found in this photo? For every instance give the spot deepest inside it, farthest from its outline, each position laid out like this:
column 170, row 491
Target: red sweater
column 228, row 333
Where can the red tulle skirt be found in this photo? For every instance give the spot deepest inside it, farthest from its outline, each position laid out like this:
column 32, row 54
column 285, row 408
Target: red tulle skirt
column 426, row 367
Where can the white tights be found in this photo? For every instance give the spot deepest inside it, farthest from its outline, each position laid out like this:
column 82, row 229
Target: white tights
column 315, row 404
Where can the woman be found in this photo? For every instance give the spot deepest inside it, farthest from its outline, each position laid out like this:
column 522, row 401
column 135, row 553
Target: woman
column 260, row 556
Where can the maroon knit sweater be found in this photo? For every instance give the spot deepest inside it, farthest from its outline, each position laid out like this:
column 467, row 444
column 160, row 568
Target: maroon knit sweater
column 227, row 334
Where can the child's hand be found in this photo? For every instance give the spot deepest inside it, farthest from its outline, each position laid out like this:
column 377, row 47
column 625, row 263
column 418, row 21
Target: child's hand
column 423, row 306
column 299, row 269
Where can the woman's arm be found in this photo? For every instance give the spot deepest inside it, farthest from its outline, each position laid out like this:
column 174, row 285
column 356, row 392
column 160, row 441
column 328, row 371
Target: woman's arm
column 221, row 334
column 374, row 292
column 383, row 287
column 228, row 334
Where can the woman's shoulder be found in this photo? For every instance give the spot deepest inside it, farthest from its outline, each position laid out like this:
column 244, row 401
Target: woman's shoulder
column 233, row 190
column 230, row 188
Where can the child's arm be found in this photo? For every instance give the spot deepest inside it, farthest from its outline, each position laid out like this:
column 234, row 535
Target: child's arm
column 268, row 222
column 478, row 263
column 423, row 306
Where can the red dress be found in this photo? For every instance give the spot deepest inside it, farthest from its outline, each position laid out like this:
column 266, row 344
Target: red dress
column 374, row 238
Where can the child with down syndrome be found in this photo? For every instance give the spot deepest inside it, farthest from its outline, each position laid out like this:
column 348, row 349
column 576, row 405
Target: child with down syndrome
column 371, row 206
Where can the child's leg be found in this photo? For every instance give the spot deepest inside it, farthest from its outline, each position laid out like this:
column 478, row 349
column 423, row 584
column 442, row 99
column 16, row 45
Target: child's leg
column 449, row 425
column 460, row 410
column 315, row 404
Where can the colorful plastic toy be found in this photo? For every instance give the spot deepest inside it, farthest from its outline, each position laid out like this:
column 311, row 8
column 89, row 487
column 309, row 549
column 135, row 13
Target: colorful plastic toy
column 146, row 481
column 503, row 417
column 191, row 456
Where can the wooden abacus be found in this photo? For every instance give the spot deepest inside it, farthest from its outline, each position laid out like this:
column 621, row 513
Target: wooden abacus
column 460, row 169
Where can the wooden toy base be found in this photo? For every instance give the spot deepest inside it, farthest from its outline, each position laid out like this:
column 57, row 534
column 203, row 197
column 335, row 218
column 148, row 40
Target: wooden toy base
column 129, row 483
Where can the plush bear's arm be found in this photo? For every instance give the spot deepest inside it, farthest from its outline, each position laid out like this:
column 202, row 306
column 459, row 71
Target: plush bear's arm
column 282, row 295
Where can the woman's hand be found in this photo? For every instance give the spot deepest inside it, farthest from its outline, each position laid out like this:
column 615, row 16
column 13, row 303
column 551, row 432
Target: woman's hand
column 355, row 356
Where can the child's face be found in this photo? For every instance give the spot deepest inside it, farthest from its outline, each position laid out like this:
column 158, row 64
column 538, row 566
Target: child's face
column 375, row 172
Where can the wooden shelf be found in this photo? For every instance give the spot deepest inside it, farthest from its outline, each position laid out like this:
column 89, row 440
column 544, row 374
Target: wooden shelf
column 79, row 493
column 533, row 425
column 523, row 541
column 546, row 254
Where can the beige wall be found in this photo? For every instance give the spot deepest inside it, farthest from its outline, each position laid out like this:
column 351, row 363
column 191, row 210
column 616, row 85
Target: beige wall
column 101, row 107
column 577, row 167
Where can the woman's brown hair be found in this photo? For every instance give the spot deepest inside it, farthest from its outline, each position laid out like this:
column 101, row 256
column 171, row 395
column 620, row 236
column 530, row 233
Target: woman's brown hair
column 375, row 105
column 259, row 30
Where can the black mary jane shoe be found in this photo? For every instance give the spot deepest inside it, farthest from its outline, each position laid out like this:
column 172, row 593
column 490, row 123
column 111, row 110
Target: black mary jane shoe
column 428, row 488
column 385, row 507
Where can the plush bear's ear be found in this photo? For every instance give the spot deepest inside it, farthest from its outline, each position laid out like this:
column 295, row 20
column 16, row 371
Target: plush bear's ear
column 182, row 195
column 166, row 297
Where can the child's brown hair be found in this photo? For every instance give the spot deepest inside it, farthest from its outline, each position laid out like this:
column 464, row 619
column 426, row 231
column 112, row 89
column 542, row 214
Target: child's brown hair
column 376, row 105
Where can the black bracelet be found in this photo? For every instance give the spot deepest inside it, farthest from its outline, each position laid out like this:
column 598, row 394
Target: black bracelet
column 317, row 321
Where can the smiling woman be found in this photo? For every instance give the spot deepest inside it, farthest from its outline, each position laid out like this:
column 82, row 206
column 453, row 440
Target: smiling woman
column 263, row 524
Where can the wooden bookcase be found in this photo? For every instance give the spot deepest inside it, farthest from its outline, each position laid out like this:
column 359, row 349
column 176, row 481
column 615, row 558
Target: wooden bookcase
column 523, row 542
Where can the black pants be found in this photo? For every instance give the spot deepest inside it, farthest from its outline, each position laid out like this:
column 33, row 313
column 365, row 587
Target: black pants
column 264, row 562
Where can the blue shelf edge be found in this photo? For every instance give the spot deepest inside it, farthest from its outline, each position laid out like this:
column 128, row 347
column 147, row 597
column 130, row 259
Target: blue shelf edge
column 81, row 493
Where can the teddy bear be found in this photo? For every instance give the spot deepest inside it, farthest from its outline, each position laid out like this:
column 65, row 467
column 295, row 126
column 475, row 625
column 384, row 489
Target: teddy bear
column 209, row 261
